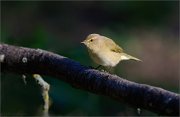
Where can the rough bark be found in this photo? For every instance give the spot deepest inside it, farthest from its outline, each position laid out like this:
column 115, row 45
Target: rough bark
column 25, row 60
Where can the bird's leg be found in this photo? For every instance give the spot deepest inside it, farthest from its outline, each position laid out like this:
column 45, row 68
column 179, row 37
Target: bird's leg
column 98, row 67
column 91, row 67
column 109, row 69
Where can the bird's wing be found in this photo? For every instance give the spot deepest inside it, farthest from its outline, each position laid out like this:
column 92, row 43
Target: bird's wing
column 113, row 46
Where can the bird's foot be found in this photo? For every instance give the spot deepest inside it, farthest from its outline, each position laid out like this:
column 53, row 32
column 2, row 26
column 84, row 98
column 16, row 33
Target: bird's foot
column 98, row 67
column 91, row 67
column 104, row 70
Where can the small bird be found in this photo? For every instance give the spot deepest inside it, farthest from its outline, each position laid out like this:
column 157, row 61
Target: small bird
column 104, row 51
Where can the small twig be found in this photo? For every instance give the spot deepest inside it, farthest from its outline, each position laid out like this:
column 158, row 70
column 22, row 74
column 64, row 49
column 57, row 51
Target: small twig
column 24, row 79
column 45, row 89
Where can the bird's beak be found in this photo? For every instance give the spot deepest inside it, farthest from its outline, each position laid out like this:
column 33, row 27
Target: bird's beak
column 83, row 42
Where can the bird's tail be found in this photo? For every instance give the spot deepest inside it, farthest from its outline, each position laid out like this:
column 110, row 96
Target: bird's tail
column 125, row 56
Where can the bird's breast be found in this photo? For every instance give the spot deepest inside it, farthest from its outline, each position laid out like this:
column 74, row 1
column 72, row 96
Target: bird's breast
column 105, row 58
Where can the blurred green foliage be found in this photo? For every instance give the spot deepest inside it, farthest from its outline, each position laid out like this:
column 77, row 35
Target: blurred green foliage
column 145, row 29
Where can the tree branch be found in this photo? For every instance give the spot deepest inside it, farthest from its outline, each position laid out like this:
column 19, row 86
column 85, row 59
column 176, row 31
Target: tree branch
column 25, row 60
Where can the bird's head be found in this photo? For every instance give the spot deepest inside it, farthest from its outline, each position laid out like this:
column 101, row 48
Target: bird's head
column 92, row 41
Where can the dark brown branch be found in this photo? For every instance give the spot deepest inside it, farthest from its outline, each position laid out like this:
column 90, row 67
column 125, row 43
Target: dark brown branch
column 29, row 61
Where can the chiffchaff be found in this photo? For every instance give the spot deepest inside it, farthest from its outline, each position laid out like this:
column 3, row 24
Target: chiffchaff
column 105, row 51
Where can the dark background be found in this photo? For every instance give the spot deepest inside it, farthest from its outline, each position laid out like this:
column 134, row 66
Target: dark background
column 146, row 30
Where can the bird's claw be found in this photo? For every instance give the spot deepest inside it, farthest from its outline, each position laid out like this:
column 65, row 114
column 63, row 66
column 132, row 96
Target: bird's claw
column 91, row 67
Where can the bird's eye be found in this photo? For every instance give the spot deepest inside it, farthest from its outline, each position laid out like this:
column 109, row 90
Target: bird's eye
column 91, row 40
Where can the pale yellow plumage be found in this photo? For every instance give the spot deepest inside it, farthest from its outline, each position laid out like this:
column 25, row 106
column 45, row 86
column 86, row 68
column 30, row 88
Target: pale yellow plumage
column 105, row 51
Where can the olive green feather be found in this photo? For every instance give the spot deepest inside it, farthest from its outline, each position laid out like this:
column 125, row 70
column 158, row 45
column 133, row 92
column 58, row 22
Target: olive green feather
column 113, row 46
